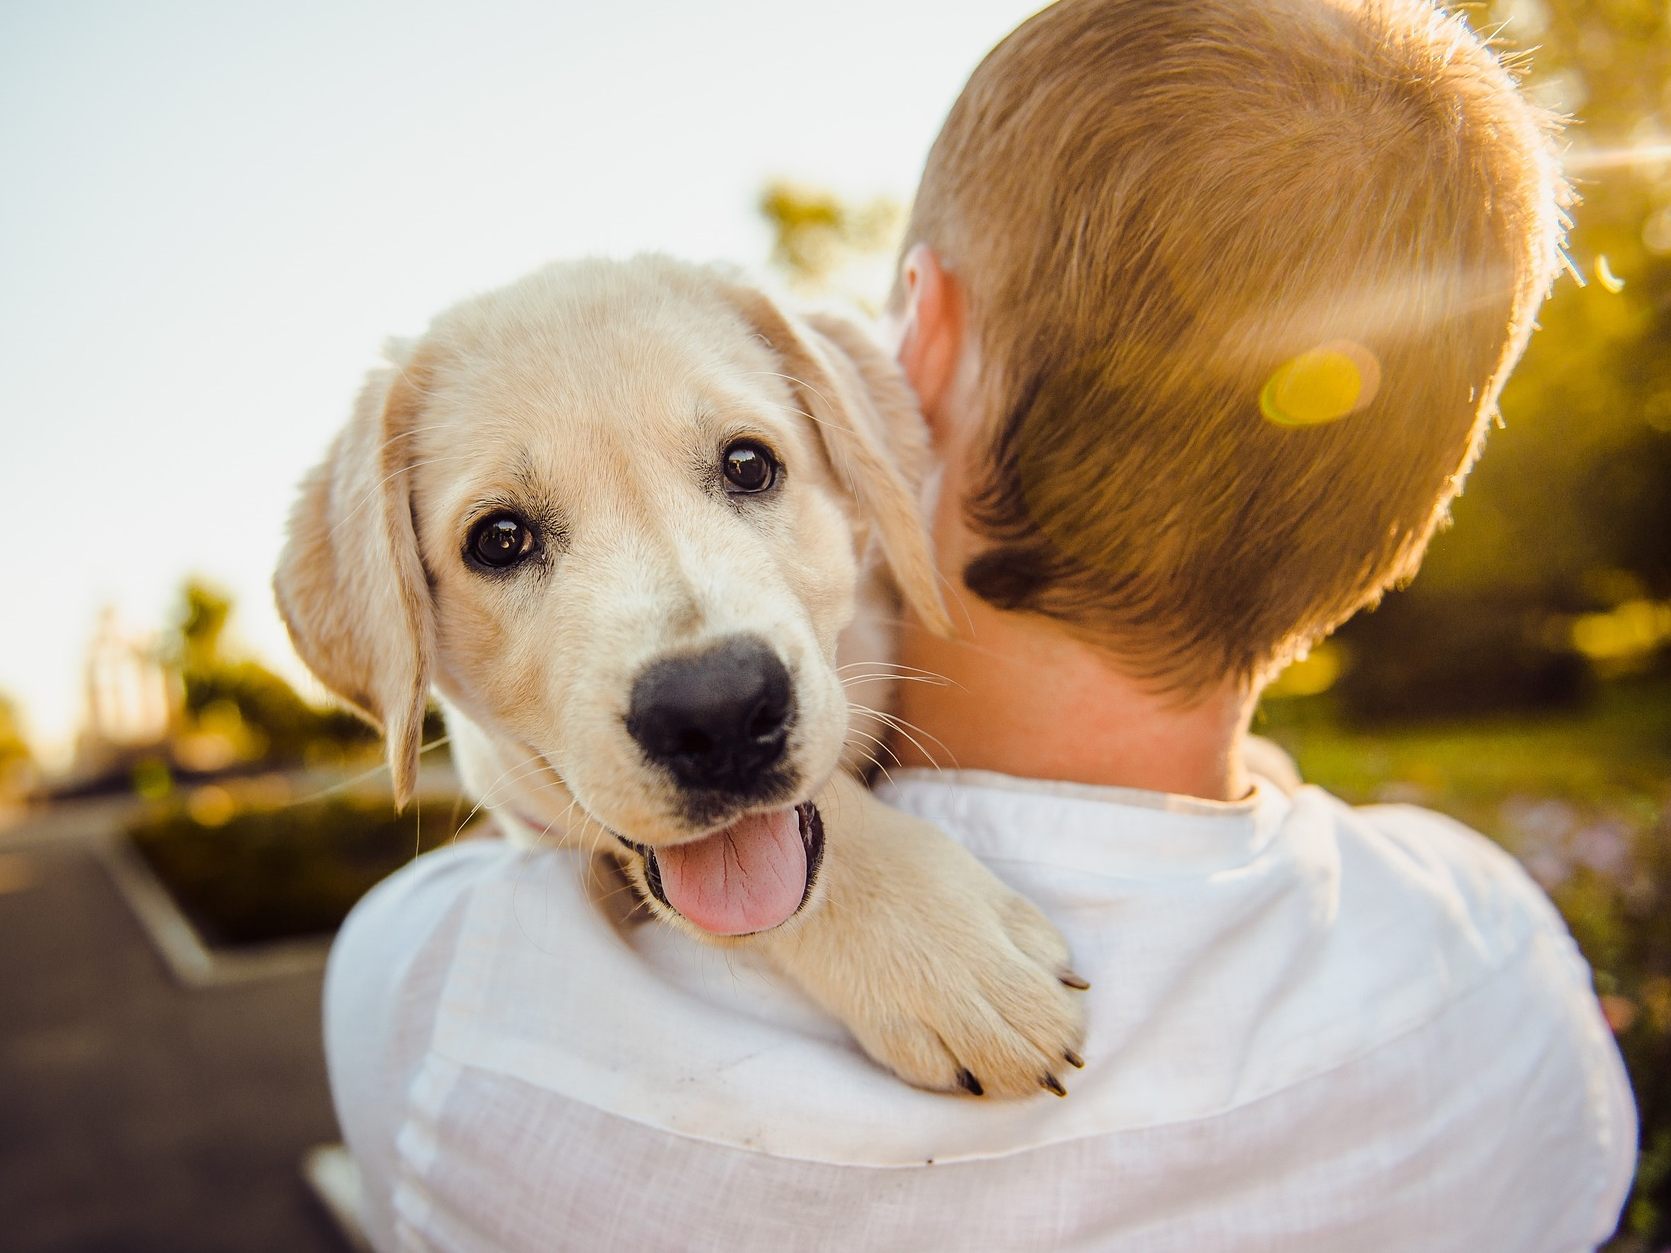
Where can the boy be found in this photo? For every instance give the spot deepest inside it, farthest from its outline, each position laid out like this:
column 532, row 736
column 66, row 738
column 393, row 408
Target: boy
column 1207, row 304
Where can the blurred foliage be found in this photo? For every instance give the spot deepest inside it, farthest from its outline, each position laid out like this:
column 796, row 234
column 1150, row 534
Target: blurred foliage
column 200, row 625
column 245, row 860
column 1559, row 559
column 238, row 710
column 252, row 870
column 824, row 244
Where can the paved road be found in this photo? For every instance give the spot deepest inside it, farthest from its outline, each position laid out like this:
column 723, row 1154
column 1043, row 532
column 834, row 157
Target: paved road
column 137, row 1115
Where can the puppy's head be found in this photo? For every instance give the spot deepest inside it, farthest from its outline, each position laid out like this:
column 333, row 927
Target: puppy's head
column 616, row 515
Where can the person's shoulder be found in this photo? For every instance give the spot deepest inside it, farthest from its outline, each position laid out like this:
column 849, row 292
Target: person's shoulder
column 401, row 911
column 384, row 977
column 1436, row 927
column 1414, row 853
column 1514, row 1033
column 396, row 945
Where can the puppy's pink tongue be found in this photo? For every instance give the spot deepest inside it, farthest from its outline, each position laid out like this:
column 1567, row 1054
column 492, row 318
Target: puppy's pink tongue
column 749, row 876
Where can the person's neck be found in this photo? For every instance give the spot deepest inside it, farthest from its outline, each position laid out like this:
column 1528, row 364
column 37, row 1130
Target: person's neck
column 1016, row 695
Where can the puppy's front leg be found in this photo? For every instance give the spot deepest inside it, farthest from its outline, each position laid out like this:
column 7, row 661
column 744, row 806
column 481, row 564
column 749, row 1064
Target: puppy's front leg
column 942, row 973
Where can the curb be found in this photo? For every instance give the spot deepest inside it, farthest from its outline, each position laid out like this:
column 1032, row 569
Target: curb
column 193, row 962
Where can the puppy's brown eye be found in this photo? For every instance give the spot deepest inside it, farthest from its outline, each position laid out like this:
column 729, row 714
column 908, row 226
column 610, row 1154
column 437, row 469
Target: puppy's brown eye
column 748, row 467
column 500, row 541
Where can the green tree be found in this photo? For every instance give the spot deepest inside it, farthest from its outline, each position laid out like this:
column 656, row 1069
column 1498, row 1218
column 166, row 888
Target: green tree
column 1569, row 510
column 241, row 696
column 818, row 239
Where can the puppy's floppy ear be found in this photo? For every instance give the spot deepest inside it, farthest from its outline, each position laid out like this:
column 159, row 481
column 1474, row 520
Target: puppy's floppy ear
column 350, row 584
column 872, row 431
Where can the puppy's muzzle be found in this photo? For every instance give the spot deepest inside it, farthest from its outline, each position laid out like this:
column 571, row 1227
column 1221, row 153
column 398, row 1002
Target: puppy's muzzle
column 717, row 720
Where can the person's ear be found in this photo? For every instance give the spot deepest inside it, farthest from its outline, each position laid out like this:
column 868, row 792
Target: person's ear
column 930, row 333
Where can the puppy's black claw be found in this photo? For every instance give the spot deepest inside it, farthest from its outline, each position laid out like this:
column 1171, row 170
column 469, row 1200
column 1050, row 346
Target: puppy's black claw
column 970, row 1084
column 1074, row 980
column 1074, row 1059
column 1052, row 1083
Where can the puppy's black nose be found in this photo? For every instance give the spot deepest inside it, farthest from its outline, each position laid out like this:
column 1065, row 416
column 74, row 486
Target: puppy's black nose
column 717, row 719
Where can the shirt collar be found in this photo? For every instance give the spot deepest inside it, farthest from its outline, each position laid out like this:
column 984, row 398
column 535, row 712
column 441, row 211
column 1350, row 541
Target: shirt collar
column 1114, row 831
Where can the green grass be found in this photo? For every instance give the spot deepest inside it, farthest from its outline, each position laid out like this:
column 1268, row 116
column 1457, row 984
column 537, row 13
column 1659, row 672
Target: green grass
column 1614, row 755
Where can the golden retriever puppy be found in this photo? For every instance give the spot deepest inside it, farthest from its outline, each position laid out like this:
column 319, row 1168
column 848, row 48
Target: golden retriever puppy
column 629, row 522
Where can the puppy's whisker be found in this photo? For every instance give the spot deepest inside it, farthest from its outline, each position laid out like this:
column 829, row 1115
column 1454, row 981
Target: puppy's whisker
column 877, row 740
column 852, row 484
column 356, row 780
column 540, row 839
column 854, row 680
column 624, row 890
column 562, row 821
column 487, row 796
column 372, row 491
column 954, row 595
column 905, row 728
column 590, row 829
column 892, row 666
column 876, row 761
column 525, row 766
column 902, row 724
column 873, row 756
column 515, row 774
column 410, row 431
column 789, row 378
column 818, row 421
column 966, row 645
column 924, row 751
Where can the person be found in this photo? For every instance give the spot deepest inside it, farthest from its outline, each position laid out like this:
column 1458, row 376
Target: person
column 1208, row 305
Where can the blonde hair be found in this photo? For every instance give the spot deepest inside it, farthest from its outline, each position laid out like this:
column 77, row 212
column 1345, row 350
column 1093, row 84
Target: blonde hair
column 1246, row 280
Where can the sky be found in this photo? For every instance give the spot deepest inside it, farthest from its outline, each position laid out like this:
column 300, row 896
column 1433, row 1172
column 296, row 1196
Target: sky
column 214, row 214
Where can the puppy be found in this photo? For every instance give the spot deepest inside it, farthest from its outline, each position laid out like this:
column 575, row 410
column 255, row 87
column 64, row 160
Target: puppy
column 632, row 524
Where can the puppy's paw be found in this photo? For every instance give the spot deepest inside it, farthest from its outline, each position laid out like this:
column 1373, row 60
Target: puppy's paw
column 942, row 973
column 983, row 1003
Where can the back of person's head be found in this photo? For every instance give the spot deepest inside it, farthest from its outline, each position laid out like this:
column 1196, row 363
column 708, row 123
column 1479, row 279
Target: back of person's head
column 1245, row 280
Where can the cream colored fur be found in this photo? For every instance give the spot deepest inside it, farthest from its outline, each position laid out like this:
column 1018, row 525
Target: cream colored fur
column 594, row 398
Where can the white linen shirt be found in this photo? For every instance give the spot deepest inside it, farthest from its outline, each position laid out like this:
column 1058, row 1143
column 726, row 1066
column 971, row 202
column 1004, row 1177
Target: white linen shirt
column 1310, row 1028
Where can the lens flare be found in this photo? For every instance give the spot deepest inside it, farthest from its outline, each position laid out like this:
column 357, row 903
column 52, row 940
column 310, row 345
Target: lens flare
column 1604, row 275
column 1321, row 385
column 1652, row 150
